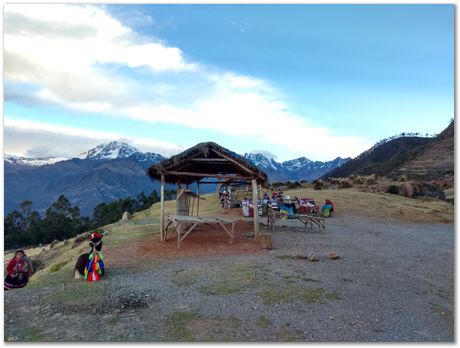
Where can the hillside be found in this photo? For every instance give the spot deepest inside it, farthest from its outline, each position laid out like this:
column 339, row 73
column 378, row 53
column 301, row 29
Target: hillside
column 411, row 157
column 433, row 161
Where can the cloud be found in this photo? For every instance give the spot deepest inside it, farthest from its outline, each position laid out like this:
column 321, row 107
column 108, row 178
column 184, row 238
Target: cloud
column 92, row 62
column 68, row 141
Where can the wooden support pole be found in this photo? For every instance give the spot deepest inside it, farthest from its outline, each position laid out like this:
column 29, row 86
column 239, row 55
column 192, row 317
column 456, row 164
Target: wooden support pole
column 178, row 194
column 256, row 210
column 198, row 201
column 162, row 209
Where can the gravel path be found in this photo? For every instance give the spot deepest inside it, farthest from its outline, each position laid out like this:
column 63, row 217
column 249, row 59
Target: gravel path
column 392, row 282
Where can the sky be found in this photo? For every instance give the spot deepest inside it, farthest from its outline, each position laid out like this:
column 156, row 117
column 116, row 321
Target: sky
column 319, row 81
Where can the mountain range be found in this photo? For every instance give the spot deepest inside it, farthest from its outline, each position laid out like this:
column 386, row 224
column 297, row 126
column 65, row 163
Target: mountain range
column 116, row 170
column 297, row 169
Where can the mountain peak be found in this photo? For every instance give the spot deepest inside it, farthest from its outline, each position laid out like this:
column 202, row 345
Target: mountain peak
column 32, row 161
column 111, row 150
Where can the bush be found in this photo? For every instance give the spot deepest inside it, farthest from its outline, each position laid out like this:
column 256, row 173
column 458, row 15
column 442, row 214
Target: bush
column 293, row 185
column 345, row 183
column 318, row 184
column 393, row 189
column 406, row 190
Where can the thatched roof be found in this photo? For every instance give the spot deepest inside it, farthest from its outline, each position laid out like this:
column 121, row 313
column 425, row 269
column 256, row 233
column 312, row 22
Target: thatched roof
column 207, row 160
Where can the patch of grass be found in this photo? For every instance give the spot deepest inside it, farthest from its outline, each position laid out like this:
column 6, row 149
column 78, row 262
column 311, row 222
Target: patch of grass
column 184, row 280
column 263, row 322
column 237, row 280
column 289, row 336
column 34, row 334
column 114, row 320
column 438, row 309
column 177, row 325
column 293, row 293
column 284, row 257
column 443, row 294
column 80, row 291
column 291, row 279
column 332, row 296
column 57, row 266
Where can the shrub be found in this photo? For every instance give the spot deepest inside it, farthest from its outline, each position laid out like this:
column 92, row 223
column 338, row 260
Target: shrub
column 406, row 190
column 370, row 180
column 318, row 184
column 345, row 183
column 393, row 189
column 293, row 185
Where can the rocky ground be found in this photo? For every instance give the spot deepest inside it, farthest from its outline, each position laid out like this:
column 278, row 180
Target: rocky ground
column 394, row 281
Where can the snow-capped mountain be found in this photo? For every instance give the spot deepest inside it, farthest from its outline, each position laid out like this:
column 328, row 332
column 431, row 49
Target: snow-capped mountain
column 112, row 150
column 297, row 169
column 30, row 161
column 105, row 173
column 108, row 151
column 262, row 161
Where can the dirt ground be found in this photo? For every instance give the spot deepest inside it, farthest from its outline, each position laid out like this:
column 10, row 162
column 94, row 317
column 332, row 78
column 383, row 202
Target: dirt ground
column 393, row 282
column 205, row 240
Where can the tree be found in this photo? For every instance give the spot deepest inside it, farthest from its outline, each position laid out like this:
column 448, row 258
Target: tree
column 62, row 220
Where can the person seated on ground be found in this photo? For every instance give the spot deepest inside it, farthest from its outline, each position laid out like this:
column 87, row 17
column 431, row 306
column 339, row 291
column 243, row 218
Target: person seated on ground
column 19, row 270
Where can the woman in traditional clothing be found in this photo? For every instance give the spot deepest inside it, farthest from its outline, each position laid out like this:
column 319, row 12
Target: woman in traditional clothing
column 18, row 271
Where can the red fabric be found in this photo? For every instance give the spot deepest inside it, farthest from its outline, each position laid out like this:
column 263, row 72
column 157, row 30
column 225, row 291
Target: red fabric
column 10, row 267
column 18, row 265
column 96, row 235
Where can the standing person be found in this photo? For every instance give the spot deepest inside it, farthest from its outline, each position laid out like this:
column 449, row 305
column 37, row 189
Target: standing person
column 19, row 270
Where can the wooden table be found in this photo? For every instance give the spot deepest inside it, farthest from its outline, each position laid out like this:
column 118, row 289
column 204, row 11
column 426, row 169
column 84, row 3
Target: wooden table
column 306, row 219
column 184, row 225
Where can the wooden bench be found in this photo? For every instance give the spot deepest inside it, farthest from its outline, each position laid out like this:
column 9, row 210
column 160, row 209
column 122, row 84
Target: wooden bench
column 306, row 219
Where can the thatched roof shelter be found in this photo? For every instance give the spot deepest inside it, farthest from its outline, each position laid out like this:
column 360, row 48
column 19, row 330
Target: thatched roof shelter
column 203, row 161
column 207, row 160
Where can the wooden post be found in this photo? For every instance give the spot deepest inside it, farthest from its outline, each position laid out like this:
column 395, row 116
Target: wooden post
column 177, row 198
column 266, row 241
column 256, row 210
column 198, row 201
column 162, row 209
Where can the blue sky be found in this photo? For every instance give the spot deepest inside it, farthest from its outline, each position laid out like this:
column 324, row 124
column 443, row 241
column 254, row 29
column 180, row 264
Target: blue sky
column 319, row 81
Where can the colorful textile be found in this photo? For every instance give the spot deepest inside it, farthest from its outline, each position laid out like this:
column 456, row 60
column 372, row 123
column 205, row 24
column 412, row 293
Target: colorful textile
column 94, row 267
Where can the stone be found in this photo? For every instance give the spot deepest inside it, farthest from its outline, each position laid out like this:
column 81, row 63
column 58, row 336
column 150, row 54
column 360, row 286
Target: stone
column 126, row 216
column 333, row 256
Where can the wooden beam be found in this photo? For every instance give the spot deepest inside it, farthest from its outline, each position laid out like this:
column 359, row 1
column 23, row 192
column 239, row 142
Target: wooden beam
column 162, row 209
column 256, row 210
column 225, row 182
column 247, row 170
column 207, row 175
column 209, row 160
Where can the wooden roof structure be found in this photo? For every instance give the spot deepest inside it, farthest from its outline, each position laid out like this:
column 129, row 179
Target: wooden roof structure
column 204, row 161
column 207, row 160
